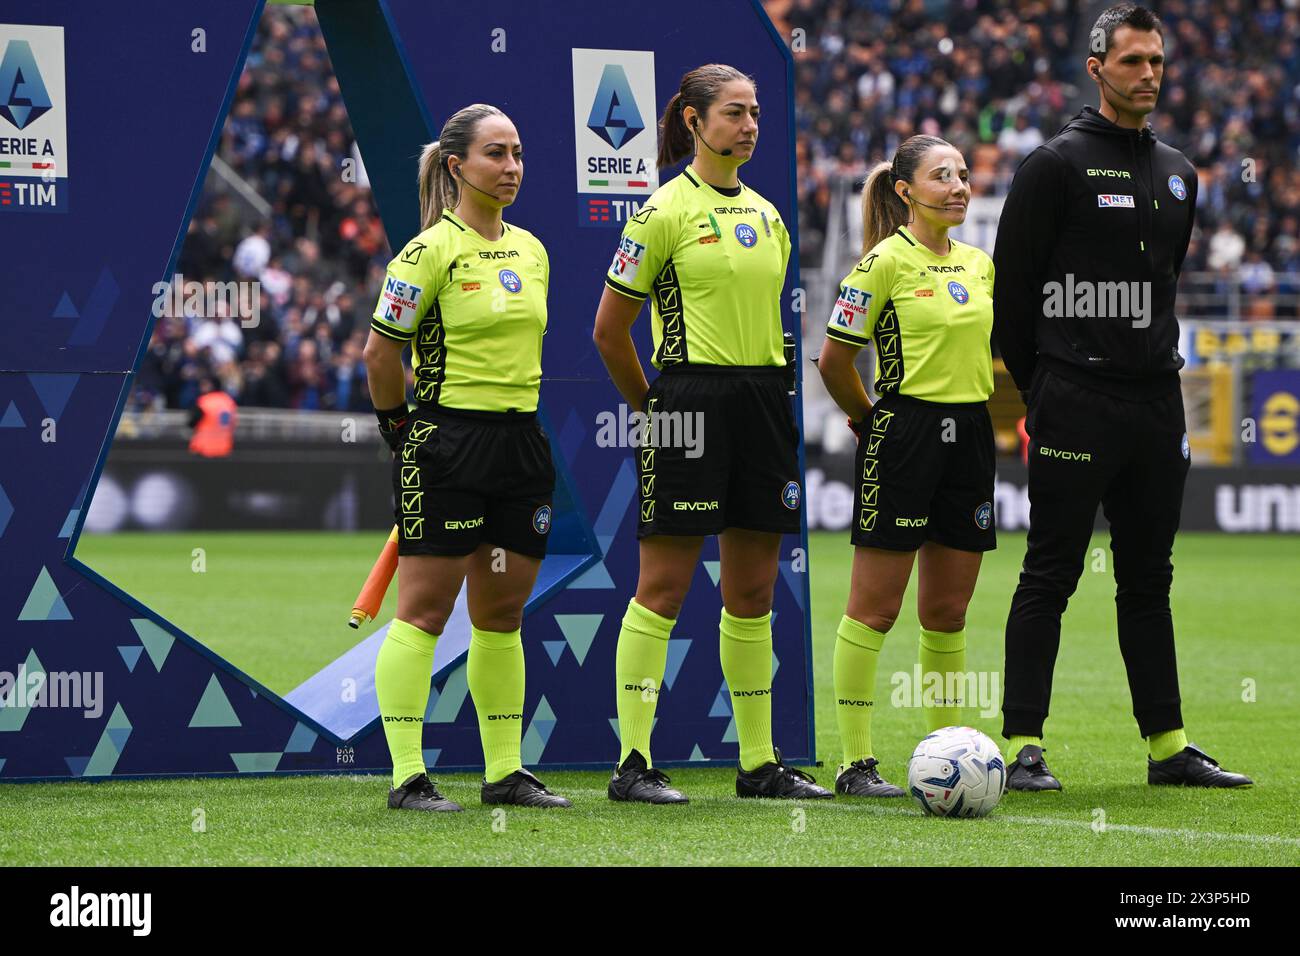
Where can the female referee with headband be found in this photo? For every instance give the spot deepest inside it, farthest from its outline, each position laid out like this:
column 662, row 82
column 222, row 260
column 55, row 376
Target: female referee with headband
column 472, row 470
column 924, row 464
column 710, row 254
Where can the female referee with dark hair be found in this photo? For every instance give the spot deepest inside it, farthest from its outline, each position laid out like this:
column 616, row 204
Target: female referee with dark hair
column 472, row 472
column 710, row 254
column 925, row 456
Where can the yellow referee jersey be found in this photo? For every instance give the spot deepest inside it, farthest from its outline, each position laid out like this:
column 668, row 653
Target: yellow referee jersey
column 475, row 313
column 712, row 266
column 929, row 316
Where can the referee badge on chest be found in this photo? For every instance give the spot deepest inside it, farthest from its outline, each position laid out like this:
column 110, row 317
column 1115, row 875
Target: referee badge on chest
column 510, row 280
column 958, row 292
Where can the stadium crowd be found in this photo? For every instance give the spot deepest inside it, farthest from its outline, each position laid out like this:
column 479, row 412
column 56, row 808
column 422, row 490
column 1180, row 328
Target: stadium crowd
column 995, row 77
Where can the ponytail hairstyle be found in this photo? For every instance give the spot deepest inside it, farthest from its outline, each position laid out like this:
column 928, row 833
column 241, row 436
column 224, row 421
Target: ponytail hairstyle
column 438, row 188
column 699, row 88
column 883, row 210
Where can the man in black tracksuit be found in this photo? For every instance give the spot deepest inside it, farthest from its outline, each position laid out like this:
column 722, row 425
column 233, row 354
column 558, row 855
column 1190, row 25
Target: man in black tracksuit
column 1089, row 248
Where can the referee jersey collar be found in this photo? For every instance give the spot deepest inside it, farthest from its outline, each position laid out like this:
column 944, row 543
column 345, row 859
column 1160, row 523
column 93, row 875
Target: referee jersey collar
column 911, row 240
column 697, row 182
column 470, row 230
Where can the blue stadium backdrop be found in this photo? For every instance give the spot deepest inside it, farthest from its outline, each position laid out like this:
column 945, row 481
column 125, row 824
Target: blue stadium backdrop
column 110, row 114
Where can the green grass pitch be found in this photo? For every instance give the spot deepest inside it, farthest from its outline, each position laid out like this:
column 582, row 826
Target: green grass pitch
column 1234, row 607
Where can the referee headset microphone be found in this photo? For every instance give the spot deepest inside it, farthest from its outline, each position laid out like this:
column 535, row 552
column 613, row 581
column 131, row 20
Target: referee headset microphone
column 1096, row 72
column 907, row 194
column 695, row 125
column 460, row 173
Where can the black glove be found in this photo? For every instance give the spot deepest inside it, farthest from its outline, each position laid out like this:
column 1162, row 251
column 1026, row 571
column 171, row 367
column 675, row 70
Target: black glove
column 392, row 425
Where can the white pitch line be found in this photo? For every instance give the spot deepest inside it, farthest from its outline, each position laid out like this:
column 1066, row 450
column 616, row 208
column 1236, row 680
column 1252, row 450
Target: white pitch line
column 1261, row 838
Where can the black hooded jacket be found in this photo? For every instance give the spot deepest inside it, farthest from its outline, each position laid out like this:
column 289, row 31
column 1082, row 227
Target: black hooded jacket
column 1095, row 205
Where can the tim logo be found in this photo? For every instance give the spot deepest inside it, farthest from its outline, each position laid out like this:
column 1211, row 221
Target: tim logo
column 24, row 96
column 542, row 519
column 746, row 235
column 790, row 495
column 510, row 280
column 614, row 116
column 958, row 292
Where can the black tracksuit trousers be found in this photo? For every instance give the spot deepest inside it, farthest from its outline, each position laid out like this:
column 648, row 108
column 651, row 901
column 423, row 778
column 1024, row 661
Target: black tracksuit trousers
column 1086, row 448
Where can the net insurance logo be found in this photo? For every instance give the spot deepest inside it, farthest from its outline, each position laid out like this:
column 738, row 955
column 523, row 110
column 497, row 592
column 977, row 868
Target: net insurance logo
column 614, row 119
column 33, row 120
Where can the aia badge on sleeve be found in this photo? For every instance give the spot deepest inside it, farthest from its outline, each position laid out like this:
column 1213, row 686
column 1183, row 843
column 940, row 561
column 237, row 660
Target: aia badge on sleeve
column 542, row 519
column 984, row 516
column 790, row 495
column 1178, row 187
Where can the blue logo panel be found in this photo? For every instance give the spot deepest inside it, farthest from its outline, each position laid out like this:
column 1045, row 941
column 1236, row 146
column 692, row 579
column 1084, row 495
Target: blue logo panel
column 614, row 116
column 85, row 316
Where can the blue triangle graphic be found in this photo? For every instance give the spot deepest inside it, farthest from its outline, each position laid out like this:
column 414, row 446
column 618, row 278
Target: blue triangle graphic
column 130, row 655
column 454, row 691
column 729, row 735
column 256, row 762
column 543, row 711
column 431, row 757
column 53, row 389
column 697, row 753
column 721, row 704
column 2, row 763
column 155, row 640
column 12, row 419
column 555, row 649
column 65, row 309
column 676, row 654
column 579, row 630
column 118, row 719
column 301, row 740
column 118, row 735
column 69, row 523
column 715, row 570
column 595, row 577
column 214, row 709
column 44, row 602
column 77, row 765
column 543, row 728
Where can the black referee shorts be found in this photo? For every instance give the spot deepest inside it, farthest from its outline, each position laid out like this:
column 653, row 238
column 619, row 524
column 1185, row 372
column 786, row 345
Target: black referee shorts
column 466, row 477
column 925, row 472
column 722, row 452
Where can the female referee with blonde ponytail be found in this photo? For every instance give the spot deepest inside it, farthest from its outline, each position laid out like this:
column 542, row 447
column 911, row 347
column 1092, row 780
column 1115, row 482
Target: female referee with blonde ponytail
column 710, row 254
column 472, row 472
column 925, row 456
